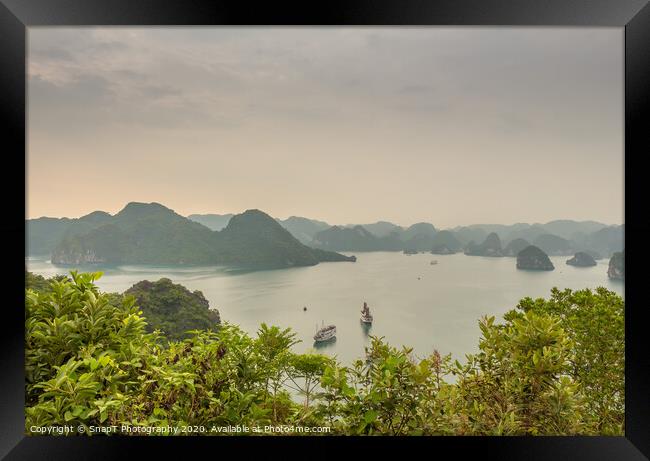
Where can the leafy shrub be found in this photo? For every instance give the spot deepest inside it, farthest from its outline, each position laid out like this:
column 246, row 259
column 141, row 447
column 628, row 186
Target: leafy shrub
column 552, row 367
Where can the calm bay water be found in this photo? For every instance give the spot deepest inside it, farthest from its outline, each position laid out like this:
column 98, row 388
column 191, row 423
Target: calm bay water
column 414, row 303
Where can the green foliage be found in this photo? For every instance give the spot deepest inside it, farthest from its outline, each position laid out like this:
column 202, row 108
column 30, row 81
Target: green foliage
column 38, row 282
column 82, row 354
column 594, row 322
column 389, row 393
column 552, row 367
column 518, row 384
column 90, row 361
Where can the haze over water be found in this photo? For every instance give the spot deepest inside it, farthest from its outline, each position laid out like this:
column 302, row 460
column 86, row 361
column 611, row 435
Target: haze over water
column 413, row 302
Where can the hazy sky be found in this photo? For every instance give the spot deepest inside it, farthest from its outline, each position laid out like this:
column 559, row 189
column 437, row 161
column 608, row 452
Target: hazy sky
column 349, row 125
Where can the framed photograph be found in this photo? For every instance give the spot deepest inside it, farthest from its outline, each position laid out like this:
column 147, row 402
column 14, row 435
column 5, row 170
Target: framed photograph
column 367, row 224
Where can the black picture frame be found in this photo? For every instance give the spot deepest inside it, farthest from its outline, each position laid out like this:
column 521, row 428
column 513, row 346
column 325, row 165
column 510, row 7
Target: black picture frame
column 632, row 15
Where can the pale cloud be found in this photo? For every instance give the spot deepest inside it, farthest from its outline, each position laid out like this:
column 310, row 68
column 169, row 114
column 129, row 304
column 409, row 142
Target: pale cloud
column 295, row 120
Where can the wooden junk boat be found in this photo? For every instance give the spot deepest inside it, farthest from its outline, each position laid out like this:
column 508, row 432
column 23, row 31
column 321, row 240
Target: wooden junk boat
column 325, row 333
column 366, row 316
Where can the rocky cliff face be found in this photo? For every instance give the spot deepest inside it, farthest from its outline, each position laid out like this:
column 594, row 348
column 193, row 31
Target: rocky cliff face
column 581, row 259
column 303, row 229
column 64, row 257
column 445, row 242
column 357, row 238
column 490, row 247
column 534, row 259
column 442, row 250
column 514, row 247
column 554, row 245
column 616, row 269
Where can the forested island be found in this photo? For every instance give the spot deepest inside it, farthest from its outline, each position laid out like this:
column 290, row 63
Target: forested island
column 150, row 233
column 582, row 259
column 555, row 238
column 533, row 258
column 93, row 359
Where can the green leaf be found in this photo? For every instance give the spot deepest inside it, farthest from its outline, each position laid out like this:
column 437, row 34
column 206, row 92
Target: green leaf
column 370, row 416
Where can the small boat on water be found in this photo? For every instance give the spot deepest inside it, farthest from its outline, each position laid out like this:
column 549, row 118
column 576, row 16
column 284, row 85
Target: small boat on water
column 325, row 333
column 434, row 262
column 366, row 316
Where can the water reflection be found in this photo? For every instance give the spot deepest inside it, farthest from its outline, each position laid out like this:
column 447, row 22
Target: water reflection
column 324, row 345
column 366, row 328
